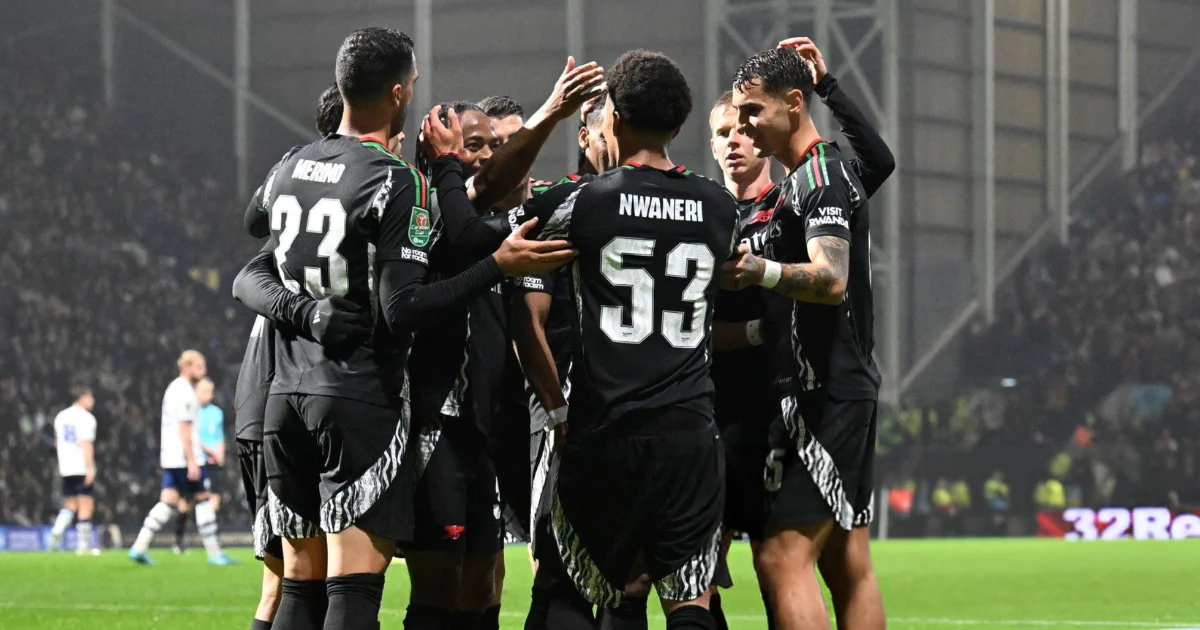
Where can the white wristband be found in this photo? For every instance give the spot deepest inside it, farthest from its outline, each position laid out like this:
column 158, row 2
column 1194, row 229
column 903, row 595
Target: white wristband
column 754, row 332
column 557, row 417
column 771, row 275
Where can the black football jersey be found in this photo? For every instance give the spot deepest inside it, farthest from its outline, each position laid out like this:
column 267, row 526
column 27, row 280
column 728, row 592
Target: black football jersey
column 650, row 245
column 258, row 365
column 338, row 208
column 818, row 345
column 559, row 321
column 457, row 363
column 743, row 377
column 254, row 381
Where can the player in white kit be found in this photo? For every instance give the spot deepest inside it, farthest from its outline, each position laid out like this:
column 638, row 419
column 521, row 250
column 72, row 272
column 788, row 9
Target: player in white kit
column 182, row 461
column 74, row 436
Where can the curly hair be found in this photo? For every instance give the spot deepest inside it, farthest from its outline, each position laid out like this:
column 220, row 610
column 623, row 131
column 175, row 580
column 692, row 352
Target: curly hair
column 329, row 110
column 649, row 92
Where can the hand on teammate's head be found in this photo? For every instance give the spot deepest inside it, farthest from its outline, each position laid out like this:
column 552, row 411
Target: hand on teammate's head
column 811, row 54
column 438, row 138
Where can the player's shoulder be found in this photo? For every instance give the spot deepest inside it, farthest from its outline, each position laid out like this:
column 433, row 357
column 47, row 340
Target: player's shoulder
column 564, row 186
column 823, row 168
column 181, row 387
column 712, row 188
column 557, row 194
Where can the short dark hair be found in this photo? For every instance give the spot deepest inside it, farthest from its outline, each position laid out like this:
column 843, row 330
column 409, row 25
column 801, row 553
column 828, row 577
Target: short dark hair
column 778, row 71
column 500, row 106
column 595, row 117
column 371, row 60
column 329, row 111
column 459, row 107
column 79, row 391
column 649, row 91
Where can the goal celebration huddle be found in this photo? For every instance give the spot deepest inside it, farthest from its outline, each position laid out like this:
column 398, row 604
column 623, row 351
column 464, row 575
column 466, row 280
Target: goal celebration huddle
column 622, row 367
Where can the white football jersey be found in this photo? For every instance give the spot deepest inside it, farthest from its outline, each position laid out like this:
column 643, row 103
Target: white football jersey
column 72, row 427
column 179, row 405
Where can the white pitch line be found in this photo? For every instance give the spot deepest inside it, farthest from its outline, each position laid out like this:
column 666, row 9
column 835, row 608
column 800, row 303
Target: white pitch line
column 912, row 621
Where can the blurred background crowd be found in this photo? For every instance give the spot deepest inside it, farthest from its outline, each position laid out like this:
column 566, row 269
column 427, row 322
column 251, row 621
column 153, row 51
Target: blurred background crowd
column 115, row 256
column 1084, row 390
column 113, row 259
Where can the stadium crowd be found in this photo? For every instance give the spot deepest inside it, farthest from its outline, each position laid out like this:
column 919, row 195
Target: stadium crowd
column 109, row 267
column 1084, row 390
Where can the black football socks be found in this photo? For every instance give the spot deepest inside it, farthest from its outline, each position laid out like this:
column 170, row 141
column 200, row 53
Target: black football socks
column 690, row 618
column 302, row 606
column 629, row 615
column 354, row 601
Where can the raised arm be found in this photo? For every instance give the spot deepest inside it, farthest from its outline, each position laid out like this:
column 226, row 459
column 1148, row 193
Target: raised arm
column 873, row 161
column 472, row 234
column 510, row 166
column 408, row 302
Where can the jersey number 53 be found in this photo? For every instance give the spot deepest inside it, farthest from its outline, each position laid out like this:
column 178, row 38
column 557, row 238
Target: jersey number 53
column 612, row 265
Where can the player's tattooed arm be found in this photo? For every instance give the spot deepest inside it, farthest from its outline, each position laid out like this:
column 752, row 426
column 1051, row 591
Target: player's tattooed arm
column 822, row 281
column 509, row 168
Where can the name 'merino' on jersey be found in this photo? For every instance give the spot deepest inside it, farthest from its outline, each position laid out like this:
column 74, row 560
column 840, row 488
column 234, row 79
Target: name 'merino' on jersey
column 338, row 207
column 817, row 345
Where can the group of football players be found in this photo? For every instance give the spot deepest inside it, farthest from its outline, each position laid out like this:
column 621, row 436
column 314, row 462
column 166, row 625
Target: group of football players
column 712, row 344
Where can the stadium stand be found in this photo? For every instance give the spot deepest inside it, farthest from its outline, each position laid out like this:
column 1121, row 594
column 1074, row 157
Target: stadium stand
column 105, row 235
column 111, row 263
column 1090, row 375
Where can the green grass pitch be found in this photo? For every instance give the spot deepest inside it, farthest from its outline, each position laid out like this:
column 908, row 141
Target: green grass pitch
column 977, row 584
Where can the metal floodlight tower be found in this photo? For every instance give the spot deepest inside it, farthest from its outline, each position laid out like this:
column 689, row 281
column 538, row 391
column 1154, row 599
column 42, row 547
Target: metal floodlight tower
column 860, row 41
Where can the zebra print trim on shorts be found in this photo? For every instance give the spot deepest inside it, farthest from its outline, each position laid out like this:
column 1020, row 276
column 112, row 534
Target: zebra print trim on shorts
column 819, row 464
column 866, row 516
column 689, row 581
column 285, row 523
column 427, row 441
column 544, row 475
column 352, row 501
column 261, row 531
column 582, row 570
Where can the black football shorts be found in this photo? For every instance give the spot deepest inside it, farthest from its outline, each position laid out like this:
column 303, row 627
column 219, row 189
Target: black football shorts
column 457, row 506
column 254, row 481
column 333, row 463
column 648, row 501
column 821, row 462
